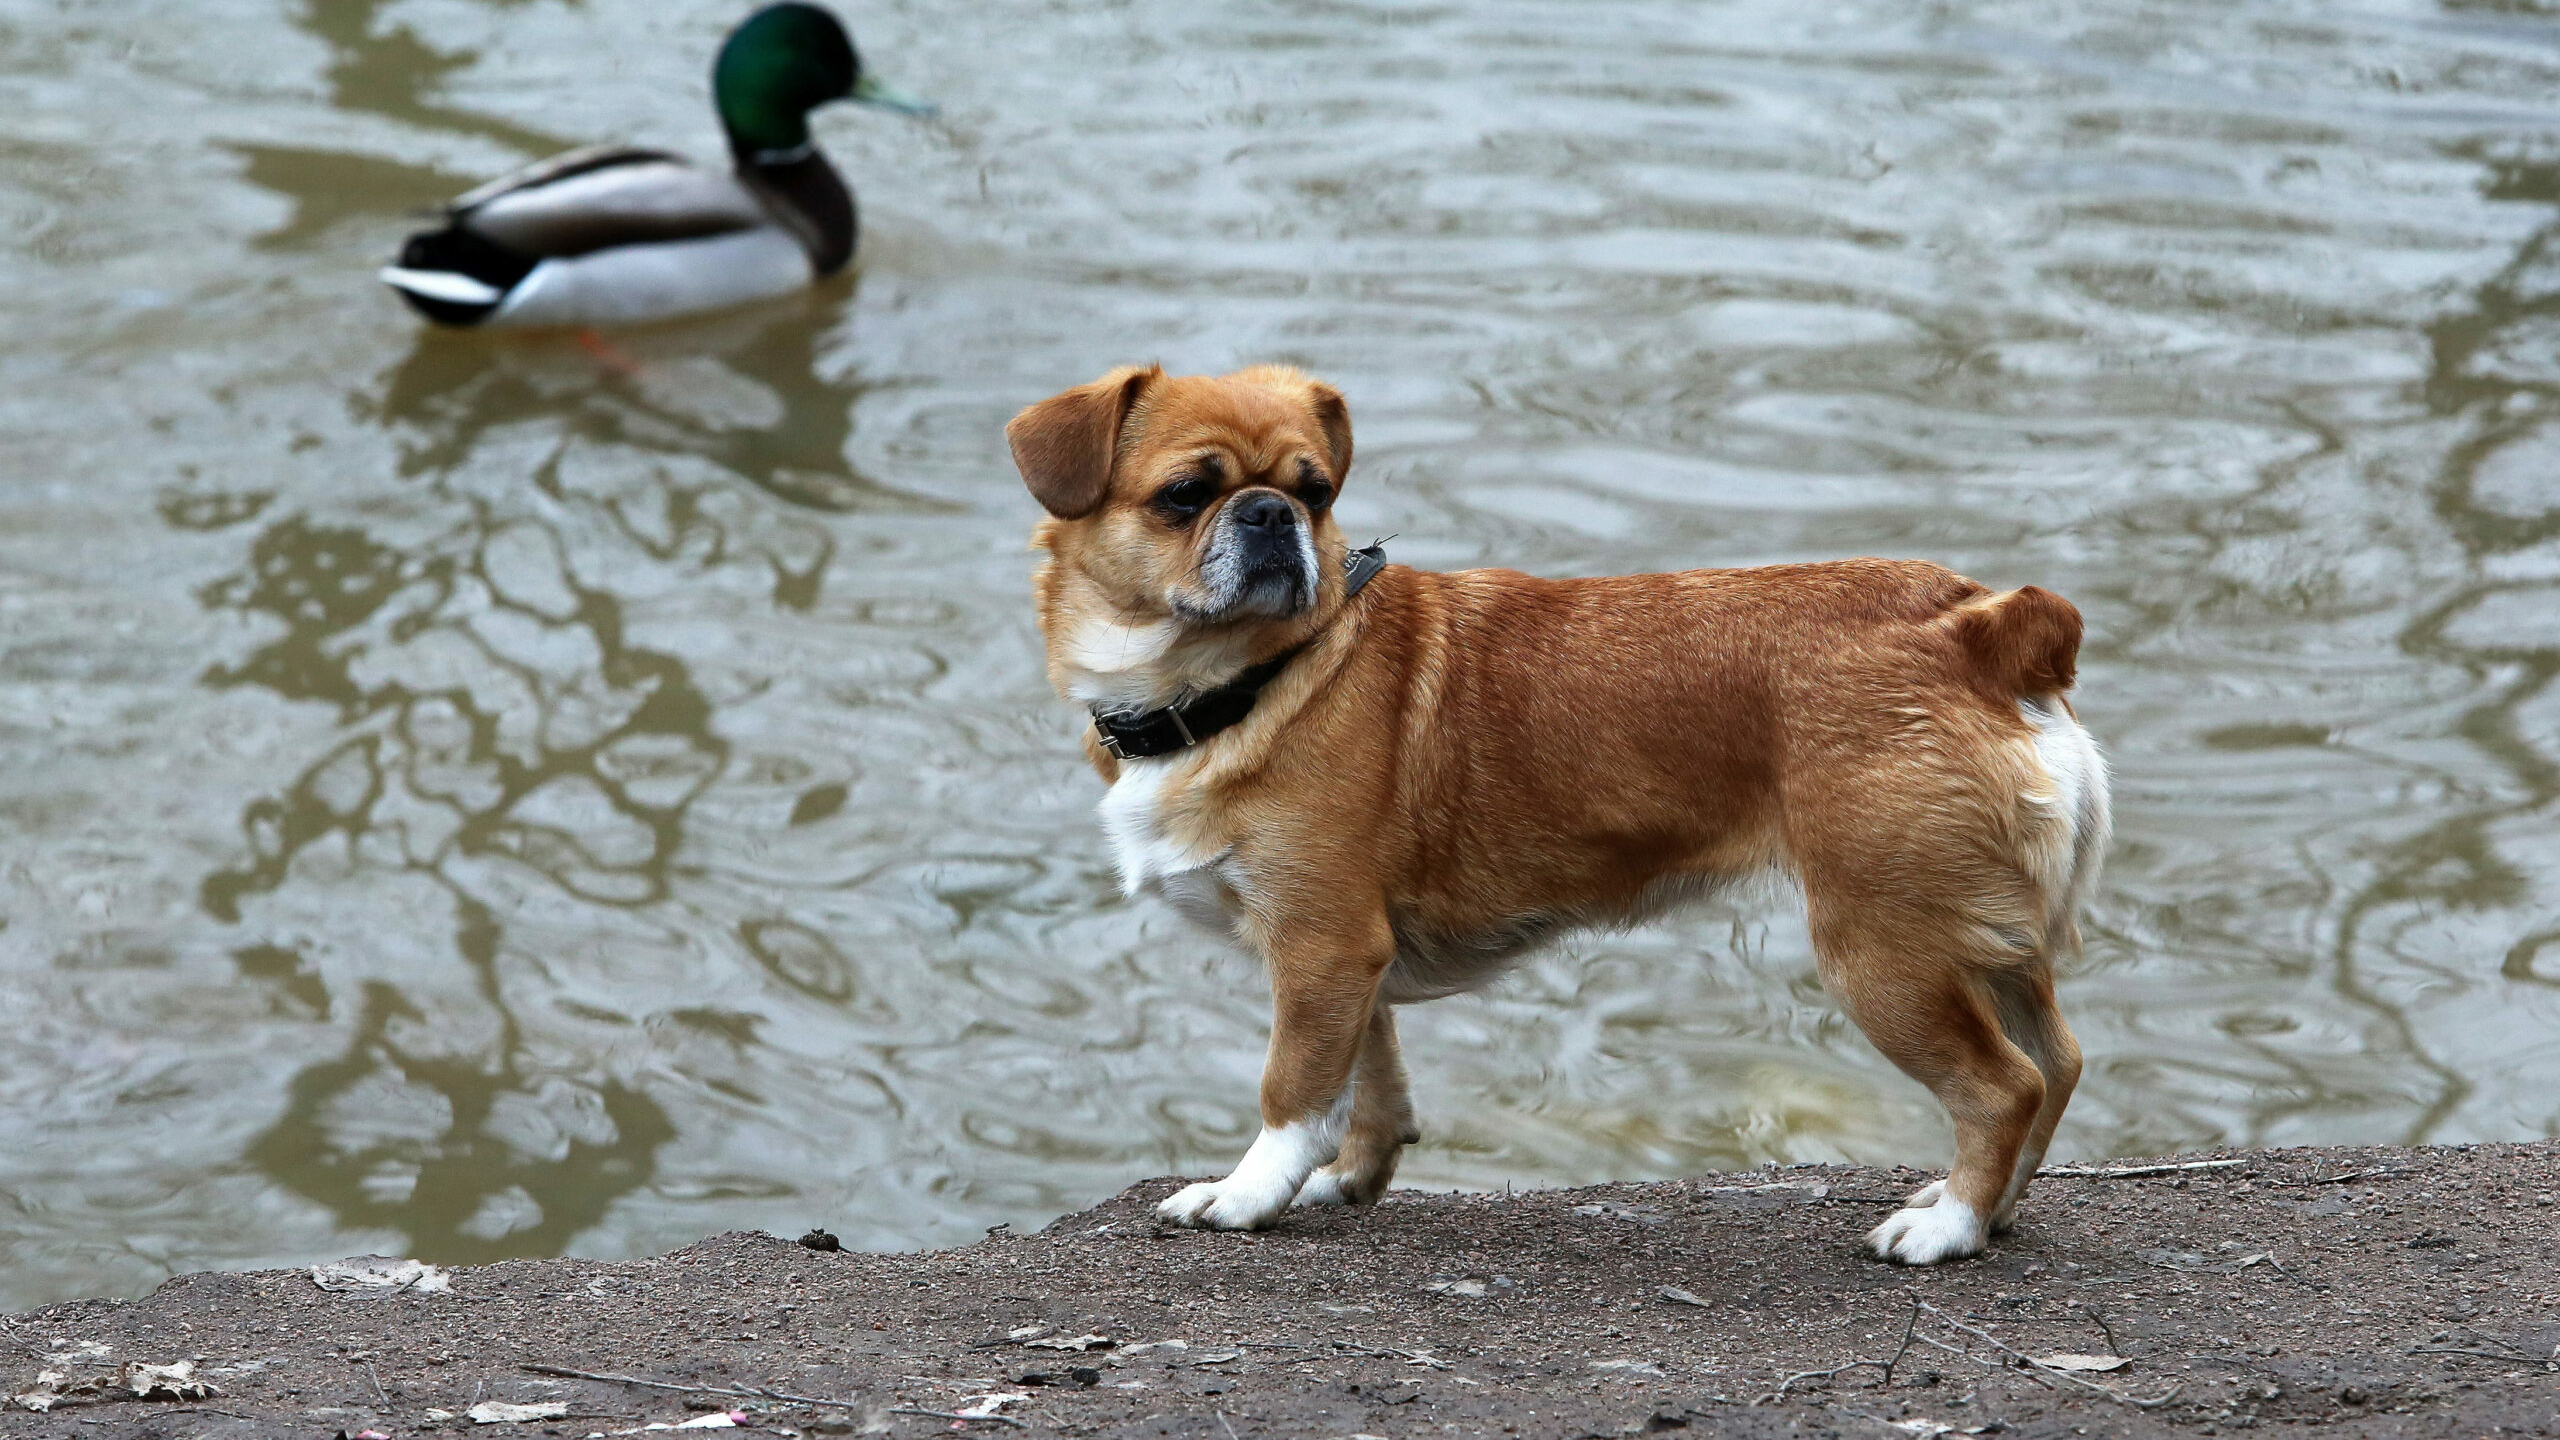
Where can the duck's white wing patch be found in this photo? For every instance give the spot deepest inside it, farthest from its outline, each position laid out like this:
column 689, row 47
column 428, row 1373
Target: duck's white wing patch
column 440, row 285
column 630, row 284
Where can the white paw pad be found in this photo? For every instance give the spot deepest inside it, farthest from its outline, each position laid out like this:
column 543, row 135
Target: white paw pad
column 1948, row 1229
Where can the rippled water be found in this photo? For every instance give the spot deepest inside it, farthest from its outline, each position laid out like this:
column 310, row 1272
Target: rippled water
column 479, row 798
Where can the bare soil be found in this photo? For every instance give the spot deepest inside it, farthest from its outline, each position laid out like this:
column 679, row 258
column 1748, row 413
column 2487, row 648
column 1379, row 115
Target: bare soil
column 2388, row 1292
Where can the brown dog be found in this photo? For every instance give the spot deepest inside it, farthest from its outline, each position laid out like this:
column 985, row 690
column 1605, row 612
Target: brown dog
column 1389, row 795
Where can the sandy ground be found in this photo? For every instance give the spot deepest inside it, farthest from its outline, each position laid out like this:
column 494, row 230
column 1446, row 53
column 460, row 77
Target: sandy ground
column 2387, row 1292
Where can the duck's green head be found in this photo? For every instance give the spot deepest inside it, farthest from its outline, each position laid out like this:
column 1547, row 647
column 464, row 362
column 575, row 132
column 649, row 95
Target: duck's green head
column 779, row 64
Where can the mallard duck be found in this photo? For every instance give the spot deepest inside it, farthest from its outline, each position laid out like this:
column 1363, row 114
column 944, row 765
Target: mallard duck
column 611, row 234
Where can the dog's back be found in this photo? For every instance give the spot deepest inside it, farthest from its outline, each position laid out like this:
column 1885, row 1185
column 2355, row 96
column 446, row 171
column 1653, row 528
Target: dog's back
column 1623, row 731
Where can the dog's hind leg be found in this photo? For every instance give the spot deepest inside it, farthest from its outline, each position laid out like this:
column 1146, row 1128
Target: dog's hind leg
column 2066, row 841
column 1910, row 983
column 1382, row 1123
column 2024, row 1001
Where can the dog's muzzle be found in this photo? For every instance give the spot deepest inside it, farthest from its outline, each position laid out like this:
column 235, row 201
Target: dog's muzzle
column 1261, row 561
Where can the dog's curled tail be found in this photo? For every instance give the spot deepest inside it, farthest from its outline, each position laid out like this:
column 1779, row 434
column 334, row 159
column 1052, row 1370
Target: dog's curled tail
column 2023, row 642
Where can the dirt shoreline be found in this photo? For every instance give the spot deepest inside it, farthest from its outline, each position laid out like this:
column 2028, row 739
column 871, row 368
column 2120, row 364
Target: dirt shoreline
column 2385, row 1291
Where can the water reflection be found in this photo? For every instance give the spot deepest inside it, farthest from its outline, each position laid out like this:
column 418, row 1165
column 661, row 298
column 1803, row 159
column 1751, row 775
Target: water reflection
column 329, row 187
column 764, row 395
column 490, row 707
column 473, row 1154
column 493, row 708
column 389, row 71
column 2494, row 365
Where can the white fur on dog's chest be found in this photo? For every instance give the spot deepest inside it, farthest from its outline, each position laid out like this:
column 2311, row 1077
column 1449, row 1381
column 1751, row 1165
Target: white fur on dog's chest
column 1193, row 877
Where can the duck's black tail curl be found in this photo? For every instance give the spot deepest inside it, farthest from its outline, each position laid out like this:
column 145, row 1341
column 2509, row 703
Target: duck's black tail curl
column 458, row 250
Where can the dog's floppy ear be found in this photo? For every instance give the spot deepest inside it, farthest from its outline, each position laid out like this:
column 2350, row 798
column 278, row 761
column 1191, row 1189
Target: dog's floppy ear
column 1335, row 417
column 1063, row 445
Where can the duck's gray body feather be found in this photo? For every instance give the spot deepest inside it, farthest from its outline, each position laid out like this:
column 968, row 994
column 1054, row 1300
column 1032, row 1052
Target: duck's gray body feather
column 589, row 199
column 634, row 284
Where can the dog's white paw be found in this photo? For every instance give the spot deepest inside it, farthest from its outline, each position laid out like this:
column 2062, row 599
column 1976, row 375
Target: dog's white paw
column 1223, row 1205
column 1325, row 1187
column 1279, row 1164
column 1926, row 1196
column 1947, row 1229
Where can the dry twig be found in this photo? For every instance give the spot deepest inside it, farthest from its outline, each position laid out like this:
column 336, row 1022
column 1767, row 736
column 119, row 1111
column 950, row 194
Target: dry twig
column 2038, row 1367
column 1410, row 1357
column 2132, row 1172
column 2103, row 1328
column 2478, row 1354
column 1786, row 1381
column 955, row 1415
column 1908, row 1326
column 736, row 1392
column 2383, row 1173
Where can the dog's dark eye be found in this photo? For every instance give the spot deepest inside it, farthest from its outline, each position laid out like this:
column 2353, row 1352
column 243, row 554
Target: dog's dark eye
column 1185, row 498
column 1315, row 497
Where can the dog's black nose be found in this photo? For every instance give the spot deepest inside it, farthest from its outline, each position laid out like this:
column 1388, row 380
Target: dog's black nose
column 1265, row 510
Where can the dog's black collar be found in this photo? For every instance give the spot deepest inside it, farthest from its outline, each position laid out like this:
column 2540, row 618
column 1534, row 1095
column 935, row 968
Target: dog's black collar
column 1137, row 735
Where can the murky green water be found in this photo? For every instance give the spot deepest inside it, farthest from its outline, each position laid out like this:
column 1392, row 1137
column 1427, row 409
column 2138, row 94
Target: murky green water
column 476, row 799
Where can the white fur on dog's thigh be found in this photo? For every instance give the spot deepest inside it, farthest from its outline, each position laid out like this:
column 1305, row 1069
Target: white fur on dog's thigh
column 1945, row 1229
column 1266, row 1179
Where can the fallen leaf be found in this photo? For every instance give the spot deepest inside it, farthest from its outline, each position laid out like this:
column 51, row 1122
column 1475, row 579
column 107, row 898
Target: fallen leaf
column 1678, row 1296
column 381, row 1275
column 2083, row 1364
column 1925, row 1429
column 1470, row 1289
column 1155, row 1345
column 1073, row 1342
column 52, row 1387
column 1028, row 1332
column 498, row 1412
column 1628, row 1367
column 984, row 1405
column 165, row 1382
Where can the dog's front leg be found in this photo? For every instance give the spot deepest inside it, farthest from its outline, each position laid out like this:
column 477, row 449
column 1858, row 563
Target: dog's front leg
column 1324, row 984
